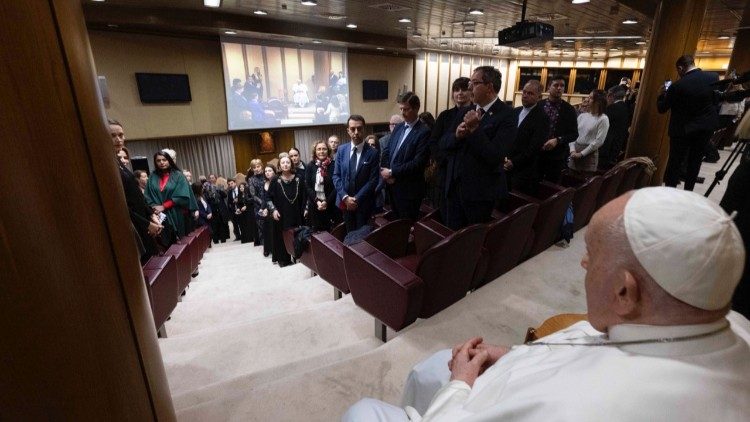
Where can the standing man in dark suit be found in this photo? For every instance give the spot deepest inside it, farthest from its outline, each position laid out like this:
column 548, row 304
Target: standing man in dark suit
column 618, row 114
column 563, row 129
column 232, row 194
column 355, row 175
column 403, row 162
column 533, row 128
column 692, row 122
column 475, row 151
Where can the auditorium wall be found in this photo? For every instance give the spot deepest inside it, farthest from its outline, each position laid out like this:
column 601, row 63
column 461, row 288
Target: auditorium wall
column 118, row 56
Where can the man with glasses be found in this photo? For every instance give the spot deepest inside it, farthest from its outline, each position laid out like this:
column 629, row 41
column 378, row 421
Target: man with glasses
column 474, row 152
column 563, row 129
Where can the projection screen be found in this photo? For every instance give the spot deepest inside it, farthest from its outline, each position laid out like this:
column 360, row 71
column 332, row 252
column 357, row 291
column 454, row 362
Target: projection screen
column 275, row 85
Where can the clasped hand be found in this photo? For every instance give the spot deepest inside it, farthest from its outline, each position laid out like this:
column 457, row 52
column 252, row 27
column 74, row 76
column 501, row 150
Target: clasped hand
column 472, row 358
column 351, row 203
column 469, row 125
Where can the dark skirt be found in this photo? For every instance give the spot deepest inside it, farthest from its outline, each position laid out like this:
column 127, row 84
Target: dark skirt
column 280, row 254
column 246, row 220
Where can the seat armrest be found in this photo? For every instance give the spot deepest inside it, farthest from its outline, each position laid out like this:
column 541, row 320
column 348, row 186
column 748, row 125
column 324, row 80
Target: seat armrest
column 427, row 233
column 382, row 287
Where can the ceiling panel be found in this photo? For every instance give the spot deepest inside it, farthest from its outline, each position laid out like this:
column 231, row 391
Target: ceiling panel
column 443, row 24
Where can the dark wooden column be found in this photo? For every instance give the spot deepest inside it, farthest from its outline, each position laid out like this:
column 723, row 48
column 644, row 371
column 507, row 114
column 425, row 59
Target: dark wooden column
column 79, row 341
column 740, row 59
column 677, row 26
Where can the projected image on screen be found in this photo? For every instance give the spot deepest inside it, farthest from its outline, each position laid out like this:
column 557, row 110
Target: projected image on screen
column 277, row 86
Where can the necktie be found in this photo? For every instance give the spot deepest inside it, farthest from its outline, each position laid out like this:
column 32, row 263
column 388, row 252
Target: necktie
column 352, row 170
column 398, row 145
column 480, row 111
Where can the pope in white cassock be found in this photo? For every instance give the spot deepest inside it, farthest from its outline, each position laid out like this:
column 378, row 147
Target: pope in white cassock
column 659, row 344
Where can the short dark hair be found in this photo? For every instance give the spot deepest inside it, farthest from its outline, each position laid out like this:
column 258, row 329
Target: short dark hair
column 492, row 75
column 460, row 84
column 618, row 92
column 686, row 60
column 197, row 189
column 231, row 179
column 598, row 102
column 427, row 118
column 555, row 77
column 410, row 98
column 356, row 118
column 114, row 122
column 138, row 173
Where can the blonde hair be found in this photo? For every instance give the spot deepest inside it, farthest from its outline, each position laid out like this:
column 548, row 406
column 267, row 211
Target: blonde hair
column 239, row 178
column 221, row 182
column 315, row 145
column 255, row 162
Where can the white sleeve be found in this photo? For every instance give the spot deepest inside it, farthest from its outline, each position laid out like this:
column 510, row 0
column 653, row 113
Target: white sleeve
column 602, row 127
column 449, row 398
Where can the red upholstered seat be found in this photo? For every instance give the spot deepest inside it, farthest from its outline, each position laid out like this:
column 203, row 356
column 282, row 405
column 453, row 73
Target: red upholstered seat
column 306, row 258
column 610, row 184
column 182, row 257
column 584, row 200
column 160, row 275
column 398, row 289
column 504, row 244
column 553, row 201
column 630, row 178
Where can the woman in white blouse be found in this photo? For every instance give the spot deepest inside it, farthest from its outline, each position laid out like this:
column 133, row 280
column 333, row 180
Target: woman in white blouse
column 592, row 130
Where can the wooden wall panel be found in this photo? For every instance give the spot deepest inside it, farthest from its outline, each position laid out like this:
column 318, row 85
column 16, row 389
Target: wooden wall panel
column 79, row 340
column 444, row 85
column 247, row 147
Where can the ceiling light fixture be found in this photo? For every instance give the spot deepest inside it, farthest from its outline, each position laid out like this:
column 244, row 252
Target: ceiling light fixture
column 379, row 48
column 416, row 35
column 404, row 20
column 444, row 44
column 580, row 1
column 475, row 11
column 640, row 42
column 601, row 37
column 98, row 0
column 212, row 3
column 309, row 2
column 723, row 37
column 230, row 32
column 317, row 42
column 260, row 12
column 351, row 26
column 570, row 40
column 630, row 21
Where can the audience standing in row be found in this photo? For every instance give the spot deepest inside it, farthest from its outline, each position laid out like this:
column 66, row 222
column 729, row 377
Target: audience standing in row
column 563, row 129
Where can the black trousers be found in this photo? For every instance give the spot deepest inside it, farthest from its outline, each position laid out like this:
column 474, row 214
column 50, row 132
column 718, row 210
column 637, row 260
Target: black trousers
column 693, row 146
column 408, row 209
column 457, row 214
column 550, row 169
column 356, row 219
column 236, row 224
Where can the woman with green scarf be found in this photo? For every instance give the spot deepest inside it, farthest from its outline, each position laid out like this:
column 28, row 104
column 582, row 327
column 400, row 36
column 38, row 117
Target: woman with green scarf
column 168, row 191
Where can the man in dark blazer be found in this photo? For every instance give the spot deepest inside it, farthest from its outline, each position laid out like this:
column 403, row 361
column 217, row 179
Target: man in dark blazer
column 355, row 175
column 692, row 122
column 475, row 151
column 403, row 162
column 618, row 114
column 563, row 130
column 533, row 128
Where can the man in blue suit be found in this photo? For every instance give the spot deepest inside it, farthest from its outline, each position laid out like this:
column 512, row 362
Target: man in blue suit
column 355, row 175
column 403, row 162
column 475, row 151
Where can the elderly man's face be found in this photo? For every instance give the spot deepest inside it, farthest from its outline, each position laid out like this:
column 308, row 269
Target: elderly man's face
column 601, row 273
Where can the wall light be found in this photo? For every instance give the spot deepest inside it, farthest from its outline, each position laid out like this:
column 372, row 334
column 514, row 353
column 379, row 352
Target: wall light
column 212, row 3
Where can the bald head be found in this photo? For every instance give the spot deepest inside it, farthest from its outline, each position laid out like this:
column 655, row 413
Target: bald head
column 618, row 289
column 395, row 119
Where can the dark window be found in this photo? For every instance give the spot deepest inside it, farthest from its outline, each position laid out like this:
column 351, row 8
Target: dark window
column 587, row 80
column 528, row 73
column 614, row 76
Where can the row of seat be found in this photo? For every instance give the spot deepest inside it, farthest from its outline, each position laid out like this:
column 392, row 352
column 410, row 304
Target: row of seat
column 168, row 275
column 402, row 272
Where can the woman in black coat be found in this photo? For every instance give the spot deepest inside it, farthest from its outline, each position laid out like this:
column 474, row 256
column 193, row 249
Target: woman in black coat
column 287, row 204
column 245, row 214
column 255, row 182
column 321, row 194
column 270, row 175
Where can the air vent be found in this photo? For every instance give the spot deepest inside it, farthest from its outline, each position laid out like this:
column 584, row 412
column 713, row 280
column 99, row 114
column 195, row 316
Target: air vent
column 389, row 7
column 548, row 17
